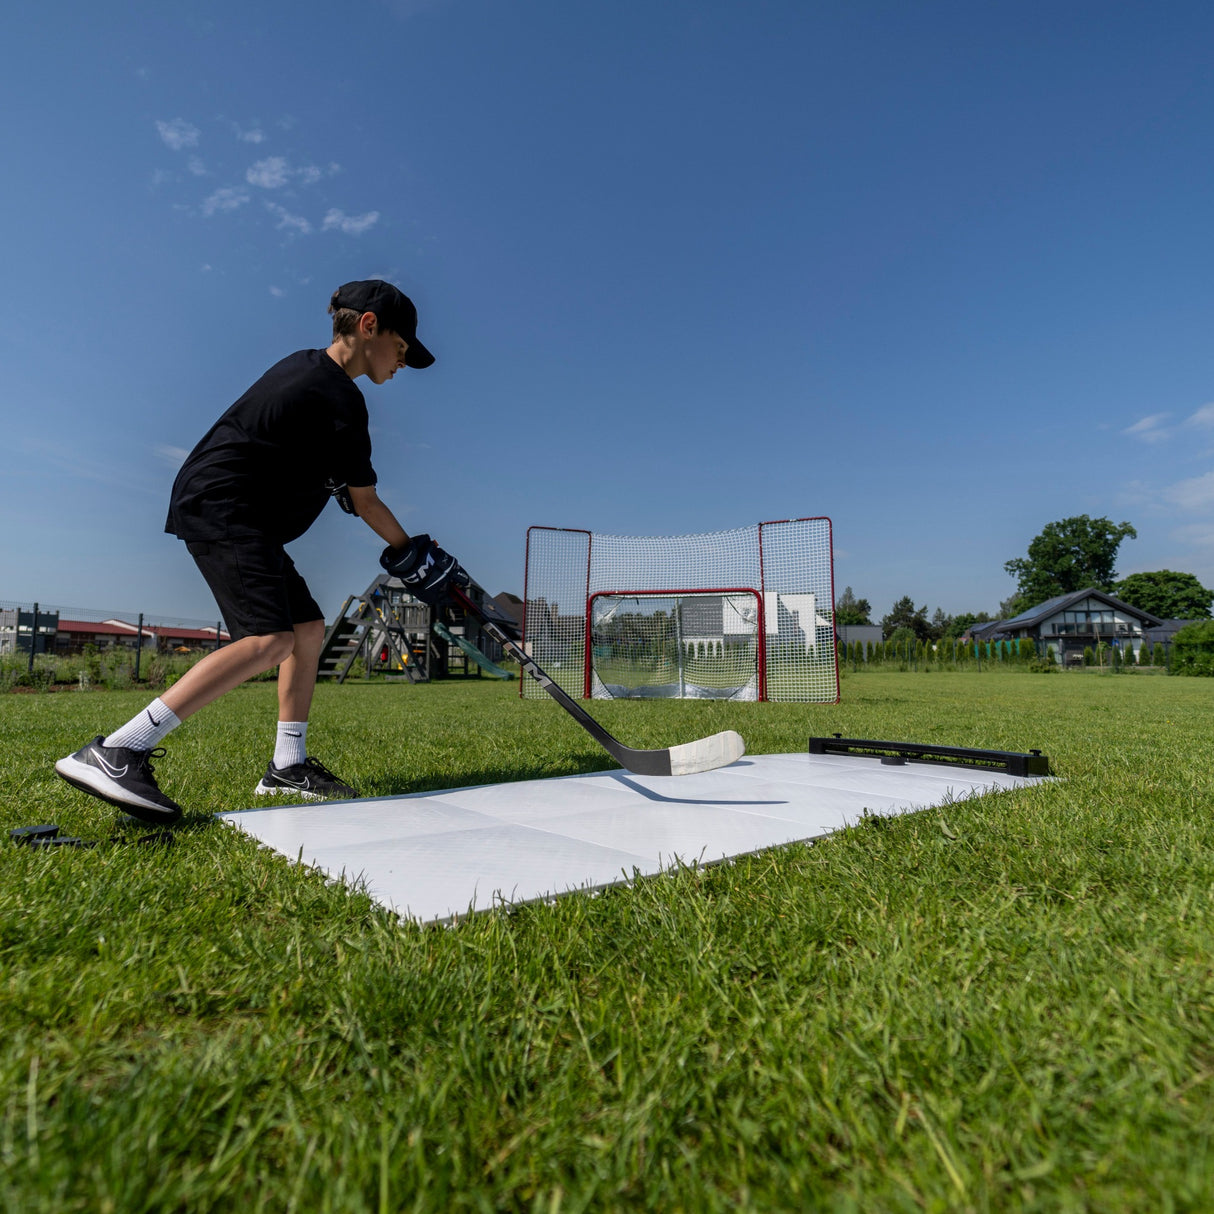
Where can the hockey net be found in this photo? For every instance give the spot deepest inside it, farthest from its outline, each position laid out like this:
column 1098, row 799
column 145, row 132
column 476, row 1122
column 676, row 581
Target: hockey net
column 688, row 646
column 739, row 614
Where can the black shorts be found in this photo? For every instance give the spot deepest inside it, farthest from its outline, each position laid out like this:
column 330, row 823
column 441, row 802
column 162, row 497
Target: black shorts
column 256, row 585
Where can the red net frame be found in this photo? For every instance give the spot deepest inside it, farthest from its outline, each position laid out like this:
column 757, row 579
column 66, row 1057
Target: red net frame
column 708, row 593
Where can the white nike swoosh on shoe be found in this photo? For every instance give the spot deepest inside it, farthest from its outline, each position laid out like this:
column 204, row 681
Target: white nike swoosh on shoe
column 115, row 773
column 94, row 780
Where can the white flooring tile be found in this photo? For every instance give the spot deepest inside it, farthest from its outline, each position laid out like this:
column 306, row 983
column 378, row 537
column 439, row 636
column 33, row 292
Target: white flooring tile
column 441, row 855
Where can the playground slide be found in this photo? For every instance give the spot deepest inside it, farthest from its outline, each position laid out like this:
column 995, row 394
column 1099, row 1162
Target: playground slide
column 471, row 650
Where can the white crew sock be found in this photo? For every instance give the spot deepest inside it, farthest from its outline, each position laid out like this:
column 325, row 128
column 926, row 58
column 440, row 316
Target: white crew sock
column 291, row 744
column 146, row 730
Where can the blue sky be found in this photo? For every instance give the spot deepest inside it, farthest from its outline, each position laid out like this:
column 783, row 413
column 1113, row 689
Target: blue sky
column 939, row 271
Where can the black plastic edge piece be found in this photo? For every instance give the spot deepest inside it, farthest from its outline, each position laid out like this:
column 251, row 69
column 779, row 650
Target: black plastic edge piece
column 1014, row 763
column 47, row 835
column 27, row 834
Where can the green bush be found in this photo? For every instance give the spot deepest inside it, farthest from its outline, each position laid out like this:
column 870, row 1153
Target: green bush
column 1193, row 649
column 15, row 671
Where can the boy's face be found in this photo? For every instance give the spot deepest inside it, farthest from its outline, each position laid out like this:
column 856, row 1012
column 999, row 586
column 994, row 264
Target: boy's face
column 385, row 352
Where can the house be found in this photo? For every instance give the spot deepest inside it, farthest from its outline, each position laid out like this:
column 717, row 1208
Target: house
column 1071, row 623
column 19, row 628
column 72, row 636
column 1166, row 632
column 510, row 605
column 866, row 634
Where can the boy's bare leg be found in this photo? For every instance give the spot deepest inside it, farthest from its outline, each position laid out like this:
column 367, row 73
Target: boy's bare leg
column 227, row 668
column 297, row 673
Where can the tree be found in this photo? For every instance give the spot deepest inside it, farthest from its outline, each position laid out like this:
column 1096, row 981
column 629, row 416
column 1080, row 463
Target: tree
column 1193, row 649
column 851, row 610
column 904, row 614
column 1168, row 595
column 1071, row 554
column 959, row 624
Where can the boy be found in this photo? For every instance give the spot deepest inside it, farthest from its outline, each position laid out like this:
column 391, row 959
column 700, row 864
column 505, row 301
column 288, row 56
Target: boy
column 256, row 481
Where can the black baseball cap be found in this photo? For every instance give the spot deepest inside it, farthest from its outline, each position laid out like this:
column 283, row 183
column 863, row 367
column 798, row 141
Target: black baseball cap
column 392, row 308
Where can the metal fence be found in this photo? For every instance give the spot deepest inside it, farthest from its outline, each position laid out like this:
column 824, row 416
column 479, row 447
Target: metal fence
column 49, row 628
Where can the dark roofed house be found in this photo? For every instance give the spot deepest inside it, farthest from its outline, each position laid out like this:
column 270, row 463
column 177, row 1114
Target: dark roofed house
column 1070, row 623
column 511, row 605
column 1166, row 632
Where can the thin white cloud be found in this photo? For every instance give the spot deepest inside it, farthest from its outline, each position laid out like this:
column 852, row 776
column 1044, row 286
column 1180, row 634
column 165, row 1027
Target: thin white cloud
column 195, row 165
column 1153, row 427
column 277, row 292
column 179, row 134
column 1137, row 493
column 1149, row 429
column 1202, row 418
column 269, row 174
column 288, row 222
column 1194, row 494
column 352, row 225
column 1199, row 534
column 173, row 456
column 274, row 172
column 252, row 135
column 225, row 199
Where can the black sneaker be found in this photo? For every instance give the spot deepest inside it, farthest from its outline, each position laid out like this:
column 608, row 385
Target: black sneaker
column 310, row 779
column 122, row 777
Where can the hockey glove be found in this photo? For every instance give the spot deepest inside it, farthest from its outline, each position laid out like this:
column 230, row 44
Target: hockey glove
column 426, row 570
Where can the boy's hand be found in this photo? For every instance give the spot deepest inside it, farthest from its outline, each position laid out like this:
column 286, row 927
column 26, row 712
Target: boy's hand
column 425, row 569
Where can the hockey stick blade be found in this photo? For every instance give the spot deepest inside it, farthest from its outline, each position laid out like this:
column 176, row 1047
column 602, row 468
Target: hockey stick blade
column 706, row 754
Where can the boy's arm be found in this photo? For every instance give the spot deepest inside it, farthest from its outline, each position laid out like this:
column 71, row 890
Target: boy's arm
column 425, row 569
column 377, row 516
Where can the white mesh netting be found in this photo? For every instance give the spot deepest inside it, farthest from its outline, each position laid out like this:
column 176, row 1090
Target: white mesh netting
column 611, row 615
column 684, row 646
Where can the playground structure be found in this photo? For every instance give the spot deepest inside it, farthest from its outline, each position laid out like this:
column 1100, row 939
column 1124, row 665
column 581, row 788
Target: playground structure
column 400, row 637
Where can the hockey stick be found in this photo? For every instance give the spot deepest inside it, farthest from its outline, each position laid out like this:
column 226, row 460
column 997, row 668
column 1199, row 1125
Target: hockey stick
column 719, row 750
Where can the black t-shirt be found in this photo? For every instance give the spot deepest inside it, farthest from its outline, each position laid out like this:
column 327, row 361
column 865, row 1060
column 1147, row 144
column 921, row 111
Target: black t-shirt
column 261, row 468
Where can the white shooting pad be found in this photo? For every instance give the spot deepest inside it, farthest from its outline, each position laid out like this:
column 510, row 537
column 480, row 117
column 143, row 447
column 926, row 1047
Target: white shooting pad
column 441, row 855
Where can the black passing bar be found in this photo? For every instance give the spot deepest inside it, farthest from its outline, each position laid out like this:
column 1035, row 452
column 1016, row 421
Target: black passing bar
column 1014, row 763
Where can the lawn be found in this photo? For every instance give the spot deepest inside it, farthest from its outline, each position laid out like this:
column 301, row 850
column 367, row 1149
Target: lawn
column 1007, row 1004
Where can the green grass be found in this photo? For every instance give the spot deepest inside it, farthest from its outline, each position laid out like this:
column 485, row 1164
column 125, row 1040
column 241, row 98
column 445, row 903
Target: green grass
column 1007, row 1004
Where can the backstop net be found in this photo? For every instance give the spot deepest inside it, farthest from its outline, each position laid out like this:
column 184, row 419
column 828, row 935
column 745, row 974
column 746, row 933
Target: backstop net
column 745, row 614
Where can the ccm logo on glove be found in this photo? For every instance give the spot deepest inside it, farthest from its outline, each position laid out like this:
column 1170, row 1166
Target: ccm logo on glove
column 425, row 569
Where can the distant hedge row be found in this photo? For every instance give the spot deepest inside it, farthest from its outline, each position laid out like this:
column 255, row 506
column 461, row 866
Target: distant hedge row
column 907, row 654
